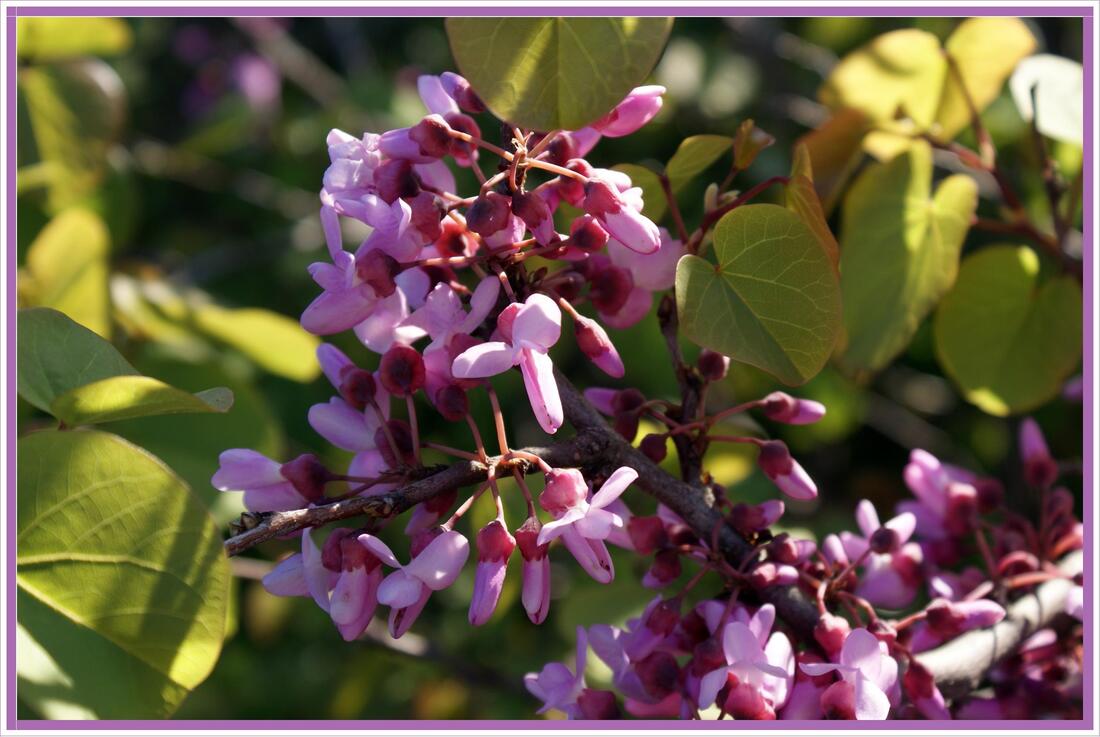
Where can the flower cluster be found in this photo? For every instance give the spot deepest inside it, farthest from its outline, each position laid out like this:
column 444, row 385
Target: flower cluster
column 447, row 293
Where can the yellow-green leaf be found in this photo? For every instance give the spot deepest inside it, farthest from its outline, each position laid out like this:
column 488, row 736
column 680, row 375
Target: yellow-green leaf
column 274, row 342
column 67, row 264
column 748, row 143
column 985, row 51
column 126, row 397
column 771, row 301
column 122, row 580
column 803, row 201
column 41, row 39
column 834, row 149
column 549, row 73
column 693, row 156
column 1006, row 336
column 899, row 253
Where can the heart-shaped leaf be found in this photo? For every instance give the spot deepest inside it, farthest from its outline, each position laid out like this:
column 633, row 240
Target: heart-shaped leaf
column 127, row 397
column 693, row 156
column 899, row 253
column 1007, row 337
column 67, row 266
column 549, row 73
column 122, row 580
column 803, row 201
column 771, row 301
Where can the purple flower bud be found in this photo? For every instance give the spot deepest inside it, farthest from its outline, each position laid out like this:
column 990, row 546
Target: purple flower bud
column 636, row 109
column 394, row 179
column 622, row 222
column 402, row 437
column 1040, row 469
column 597, row 346
column 666, row 568
column 357, row 387
column 489, row 214
column 659, row 673
column 535, row 213
column 587, row 234
column 654, row 446
column 647, row 533
column 712, row 365
column 432, row 135
column 332, row 552
column 596, row 704
column 308, row 476
column 401, row 370
column 536, row 571
column 462, row 93
column 427, row 215
column 494, row 547
column 452, row 403
column 777, row 464
column 884, row 540
column 839, row 701
column 565, row 489
column 378, row 269
column 610, row 288
column 782, row 407
column 831, row 631
column 570, row 189
column 462, row 151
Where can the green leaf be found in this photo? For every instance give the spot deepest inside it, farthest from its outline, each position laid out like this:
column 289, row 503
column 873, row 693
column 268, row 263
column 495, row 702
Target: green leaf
column 1008, row 338
column 76, row 112
column 550, row 73
column 272, row 341
column 898, row 70
column 985, row 51
column 653, row 195
column 835, row 150
column 190, row 444
column 49, row 39
column 899, row 253
column 1059, row 95
column 693, row 156
column 56, row 354
column 122, row 579
column 67, row 264
column 126, row 397
column 803, row 201
column 748, row 143
column 772, row 301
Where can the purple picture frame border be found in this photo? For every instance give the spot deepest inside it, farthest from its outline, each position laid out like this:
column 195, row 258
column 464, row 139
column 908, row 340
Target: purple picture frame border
column 1086, row 13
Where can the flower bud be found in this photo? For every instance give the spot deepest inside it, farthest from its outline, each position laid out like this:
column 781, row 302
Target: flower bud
column 427, row 215
column 666, row 568
column 587, row 234
column 572, row 190
column 713, row 365
column 461, row 92
column 609, row 289
column 401, row 370
column 597, row 346
column 461, row 150
column 455, row 240
column 784, row 549
column 357, row 387
column 627, row 400
column 332, row 556
column 377, row 269
column 452, row 403
column 561, row 149
column 647, row 533
column 308, row 476
column 743, row 700
column 782, row 407
column 596, row 704
column 708, row 655
column 533, row 210
column 831, row 631
column 962, row 509
column 1040, row 469
column 432, row 136
column 776, row 462
column 494, row 547
column 565, row 488
column 394, row 179
column 536, row 571
column 636, row 109
column 839, row 701
column 659, row 674
column 489, row 214
column 884, row 540
column 654, row 446
column 991, row 494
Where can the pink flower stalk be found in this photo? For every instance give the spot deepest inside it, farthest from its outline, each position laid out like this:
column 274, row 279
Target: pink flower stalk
column 557, row 686
column 756, row 657
column 494, row 547
column 268, row 485
column 782, row 407
column 1040, row 468
column 535, row 595
column 636, row 109
column 438, row 557
column 890, row 570
column 534, row 327
column 785, row 472
column 582, row 525
column 620, row 216
column 868, row 674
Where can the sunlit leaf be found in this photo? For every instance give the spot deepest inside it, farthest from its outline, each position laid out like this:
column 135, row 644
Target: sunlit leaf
column 748, row 143
column 76, row 111
column 835, row 151
column 126, row 397
column 122, row 580
column 899, row 253
column 803, row 201
column 274, row 342
column 1008, row 337
column 56, row 354
column 549, row 73
column 693, row 156
column 773, row 299
column 985, row 51
column 67, row 264
column 41, row 39
column 1059, row 95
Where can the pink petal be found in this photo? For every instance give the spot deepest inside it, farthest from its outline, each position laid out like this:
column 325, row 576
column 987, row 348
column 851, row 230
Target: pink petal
column 333, row 363
column 552, row 530
column 871, row 702
column 488, row 583
column 861, row 651
column 436, row 174
column 592, row 555
column 287, row 578
column 241, row 468
column 330, row 225
column 536, row 589
column 380, row 550
column 597, row 524
column 761, row 623
column 779, row 653
column 538, row 323
column 348, row 597
column 316, row 575
column 542, row 389
column 904, row 524
column 275, row 498
column 711, row 684
column 383, row 326
column 342, row 425
column 867, row 518
column 740, row 644
column 636, row 307
column 485, row 359
column 434, row 96
column 338, row 310
column 402, row 619
column 481, row 303
column 353, row 629
column 615, row 485
column 633, row 229
column 602, row 399
column 399, row 590
column 439, row 564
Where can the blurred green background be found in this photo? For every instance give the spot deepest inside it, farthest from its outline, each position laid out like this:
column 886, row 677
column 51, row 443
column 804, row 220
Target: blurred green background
column 200, row 145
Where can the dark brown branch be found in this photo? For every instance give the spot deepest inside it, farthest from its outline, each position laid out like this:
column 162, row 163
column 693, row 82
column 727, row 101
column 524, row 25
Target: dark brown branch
column 961, row 665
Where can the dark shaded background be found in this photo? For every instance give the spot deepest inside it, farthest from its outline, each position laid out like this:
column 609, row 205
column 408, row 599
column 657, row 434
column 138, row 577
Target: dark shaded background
column 213, row 185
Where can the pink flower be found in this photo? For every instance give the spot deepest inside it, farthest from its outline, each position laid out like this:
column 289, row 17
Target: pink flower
column 890, row 575
column 945, row 620
column 784, row 471
column 438, row 557
column 782, row 407
column 268, row 485
column 1040, row 468
column 582, row 525
column 528, row 333
column 636, row 109
column 597, row 346
column 536, row 571
column 443, row 316
column 867, row 673
column 494, row 547
column 766, row 663
column 620, row 214
column 946, row 496
column 557, row 686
